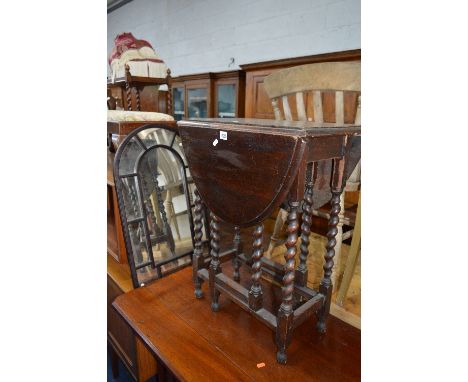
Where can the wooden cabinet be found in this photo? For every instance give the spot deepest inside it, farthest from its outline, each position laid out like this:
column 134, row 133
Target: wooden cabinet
column 208, row 95
column 257, row 103
column 128, row 347
column 115, row 238
column 124, row 344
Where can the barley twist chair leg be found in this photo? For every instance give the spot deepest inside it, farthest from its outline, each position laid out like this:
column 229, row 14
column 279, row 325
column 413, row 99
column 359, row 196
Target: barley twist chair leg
column 353, row 256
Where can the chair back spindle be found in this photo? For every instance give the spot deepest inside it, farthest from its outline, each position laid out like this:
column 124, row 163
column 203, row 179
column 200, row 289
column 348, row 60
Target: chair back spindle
column 287, row 109
column 339, row 107
column 318, row 111
column 301, row 111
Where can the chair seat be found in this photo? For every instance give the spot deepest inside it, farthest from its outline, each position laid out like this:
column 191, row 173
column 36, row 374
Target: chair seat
column 352, row 186
column 137, row 116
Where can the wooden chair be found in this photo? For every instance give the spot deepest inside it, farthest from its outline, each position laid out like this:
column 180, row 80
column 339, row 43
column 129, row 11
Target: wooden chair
column 353, row 256
column 135, row 84
column 322, row 92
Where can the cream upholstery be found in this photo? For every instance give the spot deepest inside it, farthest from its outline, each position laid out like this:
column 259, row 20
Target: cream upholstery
column 136, row 116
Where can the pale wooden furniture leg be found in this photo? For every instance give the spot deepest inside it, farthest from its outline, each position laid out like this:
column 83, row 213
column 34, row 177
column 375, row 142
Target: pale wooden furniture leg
column 339, row 242
column 353, row 256
column 280, row 220
column 154, row 202
column 171, row 213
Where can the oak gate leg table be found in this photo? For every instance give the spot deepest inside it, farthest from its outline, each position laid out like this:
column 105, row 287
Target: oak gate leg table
column 243, row 170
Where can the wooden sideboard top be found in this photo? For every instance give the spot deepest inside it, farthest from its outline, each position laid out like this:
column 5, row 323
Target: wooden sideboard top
column 200, row 345
column 120, row 274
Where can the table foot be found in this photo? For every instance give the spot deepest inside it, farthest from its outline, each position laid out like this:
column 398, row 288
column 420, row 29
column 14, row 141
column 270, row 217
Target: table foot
column 215, row 306
column 281, row 357
column 198, row 292
column 321, row 326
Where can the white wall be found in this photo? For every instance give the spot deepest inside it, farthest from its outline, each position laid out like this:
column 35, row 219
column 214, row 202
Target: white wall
column 202, row 35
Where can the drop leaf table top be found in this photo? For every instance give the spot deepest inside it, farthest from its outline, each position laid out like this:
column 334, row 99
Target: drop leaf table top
column 245, row 168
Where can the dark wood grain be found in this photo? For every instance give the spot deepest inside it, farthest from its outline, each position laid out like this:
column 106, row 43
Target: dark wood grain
column 200, row 345
column 243, row 170
column 124, row 344
column 255, row 167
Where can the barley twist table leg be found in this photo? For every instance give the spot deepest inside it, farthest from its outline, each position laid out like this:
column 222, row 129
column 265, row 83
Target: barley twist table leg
column 215, row 265
column 255, row 293
column 238, row 248
column 326, row 283
column 198, row 260
column 302, row 270
column 285, row 312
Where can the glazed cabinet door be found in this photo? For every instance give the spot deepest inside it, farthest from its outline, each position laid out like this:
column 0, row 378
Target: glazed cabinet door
column 178, row 101
column 198, row 100
column 226, row 99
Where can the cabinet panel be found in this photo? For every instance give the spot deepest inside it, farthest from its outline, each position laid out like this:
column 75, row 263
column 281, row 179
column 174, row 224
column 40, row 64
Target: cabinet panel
column 162, row 102
column 118, row 331
column 257, row 103
column 118, row 94
column 149, row 99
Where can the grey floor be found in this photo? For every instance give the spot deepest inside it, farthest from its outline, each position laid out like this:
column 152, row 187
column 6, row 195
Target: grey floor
column 124, row 375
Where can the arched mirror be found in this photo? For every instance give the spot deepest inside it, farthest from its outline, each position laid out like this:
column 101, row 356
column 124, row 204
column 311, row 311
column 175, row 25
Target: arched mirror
column 155, row 196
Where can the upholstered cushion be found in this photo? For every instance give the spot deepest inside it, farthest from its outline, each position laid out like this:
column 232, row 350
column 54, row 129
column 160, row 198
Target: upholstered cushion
column 125, row 115
column 139, row 55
